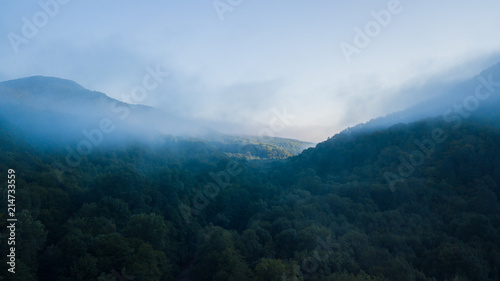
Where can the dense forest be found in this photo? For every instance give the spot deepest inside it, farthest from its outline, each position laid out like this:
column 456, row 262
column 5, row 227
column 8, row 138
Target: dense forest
column 356, row 207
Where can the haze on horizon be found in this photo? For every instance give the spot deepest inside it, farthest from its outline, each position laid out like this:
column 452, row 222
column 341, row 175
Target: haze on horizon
column 232, row 64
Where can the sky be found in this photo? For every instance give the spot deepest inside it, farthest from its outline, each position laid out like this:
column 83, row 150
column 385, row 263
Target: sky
column 295, row 69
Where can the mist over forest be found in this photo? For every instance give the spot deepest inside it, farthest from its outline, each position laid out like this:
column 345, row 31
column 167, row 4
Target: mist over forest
column 234, row 140
column 102, row 187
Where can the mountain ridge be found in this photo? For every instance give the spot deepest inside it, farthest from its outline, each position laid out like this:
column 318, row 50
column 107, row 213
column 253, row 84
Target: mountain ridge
column 434, row 107
column 58, row 95
column 214, row 217
column 57, row 111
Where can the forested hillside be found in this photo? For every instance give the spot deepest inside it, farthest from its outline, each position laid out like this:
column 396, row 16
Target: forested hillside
column 154, row 212
column 238, row 140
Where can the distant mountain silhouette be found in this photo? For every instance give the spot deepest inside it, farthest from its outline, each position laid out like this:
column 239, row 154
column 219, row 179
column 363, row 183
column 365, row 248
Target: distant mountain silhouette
column 474, row 104
column 51, row 110
column 456, row 94
column 55, row 110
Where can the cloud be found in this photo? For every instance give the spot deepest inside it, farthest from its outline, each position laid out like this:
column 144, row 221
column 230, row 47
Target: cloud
column 263, row 55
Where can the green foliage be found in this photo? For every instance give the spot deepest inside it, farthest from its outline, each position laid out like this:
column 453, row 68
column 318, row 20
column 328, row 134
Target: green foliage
column 270, row 270
column 327, row 214
column 149, row 228
column 257, row 148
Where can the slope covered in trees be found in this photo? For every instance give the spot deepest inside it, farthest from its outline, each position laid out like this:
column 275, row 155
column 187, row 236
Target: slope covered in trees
column 153, row 212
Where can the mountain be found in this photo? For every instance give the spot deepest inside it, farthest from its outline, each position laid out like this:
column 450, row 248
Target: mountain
column 49, row 111
column 475, row 101
column 455, row 93
column 55, row 110
column 414, row 201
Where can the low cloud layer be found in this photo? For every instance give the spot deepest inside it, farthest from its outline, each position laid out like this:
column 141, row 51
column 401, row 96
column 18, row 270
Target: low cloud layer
column 232, row 71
